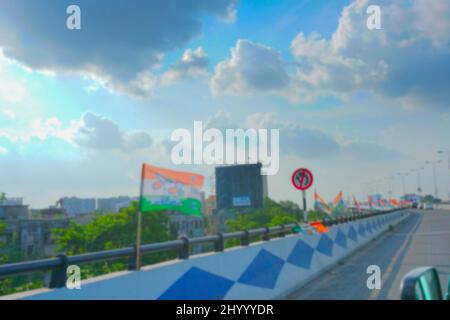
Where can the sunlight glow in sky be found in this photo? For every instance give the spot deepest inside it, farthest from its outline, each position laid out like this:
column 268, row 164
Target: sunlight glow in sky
column 80, row 110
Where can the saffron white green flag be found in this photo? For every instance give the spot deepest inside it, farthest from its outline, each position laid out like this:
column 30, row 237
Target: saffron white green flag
column 164, row 189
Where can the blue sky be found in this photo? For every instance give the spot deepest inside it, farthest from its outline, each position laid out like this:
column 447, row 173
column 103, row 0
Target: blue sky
column 80, row 110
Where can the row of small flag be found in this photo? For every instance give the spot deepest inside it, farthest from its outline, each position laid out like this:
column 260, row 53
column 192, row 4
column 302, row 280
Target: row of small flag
column 375, row 202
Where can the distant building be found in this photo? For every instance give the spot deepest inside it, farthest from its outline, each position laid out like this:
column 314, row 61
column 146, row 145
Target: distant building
column 114, row 204
column 187, row 226
column 240, row 186
column 218, row 219
column 36, row 235
column 76, row 206
column 49, row 213
column 13, row 211
column 11, row 201
column 31, row 230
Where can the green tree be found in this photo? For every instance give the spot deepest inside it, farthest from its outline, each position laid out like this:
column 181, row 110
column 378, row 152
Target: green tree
column 315, row 215
column 271, row 214
column 3, row 255
column 428, row 198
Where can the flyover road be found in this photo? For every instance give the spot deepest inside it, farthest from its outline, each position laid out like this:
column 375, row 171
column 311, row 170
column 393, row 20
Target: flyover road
column 423, row 239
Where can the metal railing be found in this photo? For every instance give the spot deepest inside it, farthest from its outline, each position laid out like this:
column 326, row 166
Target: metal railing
column 59, row 264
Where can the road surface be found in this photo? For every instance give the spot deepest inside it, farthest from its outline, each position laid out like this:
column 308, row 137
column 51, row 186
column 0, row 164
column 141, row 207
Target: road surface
column 421, row 240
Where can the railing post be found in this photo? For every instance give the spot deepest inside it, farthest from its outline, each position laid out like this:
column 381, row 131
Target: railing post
column 266, row 236
column 132, row 259
column 219, row 244
column 183, row 252
column 245, row 240
column 59, row 274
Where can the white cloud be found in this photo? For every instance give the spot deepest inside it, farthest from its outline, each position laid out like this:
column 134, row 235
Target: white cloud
column 322, row 69
column 433, row 20
column 314, row 143
column 97, row 132
column 91, row 131
column 118, row 44
column 221, row 120
column 407, row 60
column 11, row 89
column 403, row 59
column 3, row 150
column 252, row 68
column 8, row 113
column 193, row 63
column 42, row 130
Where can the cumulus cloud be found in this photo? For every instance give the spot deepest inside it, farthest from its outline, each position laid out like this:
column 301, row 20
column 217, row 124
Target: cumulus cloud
column 11, row 115
column 297, row 140
column 91, row 131
column 403, row 59
column 408, row 59
column 314, row 143
column 221, row 120
column 118, row 44
column 97, row 132
column 252, row 68
column 193, row 63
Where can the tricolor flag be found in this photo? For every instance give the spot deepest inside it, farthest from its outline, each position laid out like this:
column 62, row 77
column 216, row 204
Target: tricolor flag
column 338, row 199
column 372, row 202
column 338, row 203
column 320, row 204
column 164, row 189
column 357, row 205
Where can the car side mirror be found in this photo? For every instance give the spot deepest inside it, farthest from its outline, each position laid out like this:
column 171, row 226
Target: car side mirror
column 421, row 284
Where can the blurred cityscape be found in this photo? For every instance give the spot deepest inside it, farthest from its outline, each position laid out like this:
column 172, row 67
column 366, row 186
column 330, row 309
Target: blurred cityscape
column 239, row 189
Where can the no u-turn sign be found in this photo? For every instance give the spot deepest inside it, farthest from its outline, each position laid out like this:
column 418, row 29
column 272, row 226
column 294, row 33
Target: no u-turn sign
column 302, row 179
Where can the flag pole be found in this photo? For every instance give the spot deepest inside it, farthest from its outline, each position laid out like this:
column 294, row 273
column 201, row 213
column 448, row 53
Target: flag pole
column 139, row 222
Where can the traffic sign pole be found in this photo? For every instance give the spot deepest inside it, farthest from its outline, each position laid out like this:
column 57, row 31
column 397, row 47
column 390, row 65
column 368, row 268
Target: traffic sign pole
column 302, row 179
column 305, row 212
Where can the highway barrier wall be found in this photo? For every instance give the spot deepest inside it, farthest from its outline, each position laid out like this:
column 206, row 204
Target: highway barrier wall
column 263, row 270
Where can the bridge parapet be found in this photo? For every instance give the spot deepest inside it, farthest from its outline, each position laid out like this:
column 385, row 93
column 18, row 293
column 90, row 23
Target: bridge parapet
column 261, row 270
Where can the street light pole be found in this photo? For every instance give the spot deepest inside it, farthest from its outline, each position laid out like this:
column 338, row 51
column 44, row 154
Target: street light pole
column 448, row 168
column 433, row 164
column 390, row 188
column 402, row 176
column 435, row 183
column 419, row 187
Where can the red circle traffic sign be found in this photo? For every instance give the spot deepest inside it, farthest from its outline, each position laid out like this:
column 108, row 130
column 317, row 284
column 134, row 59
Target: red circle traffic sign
column 302, row 179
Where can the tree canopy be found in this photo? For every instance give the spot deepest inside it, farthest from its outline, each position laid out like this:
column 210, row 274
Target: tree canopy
column 273, row 213
column 111, row 231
